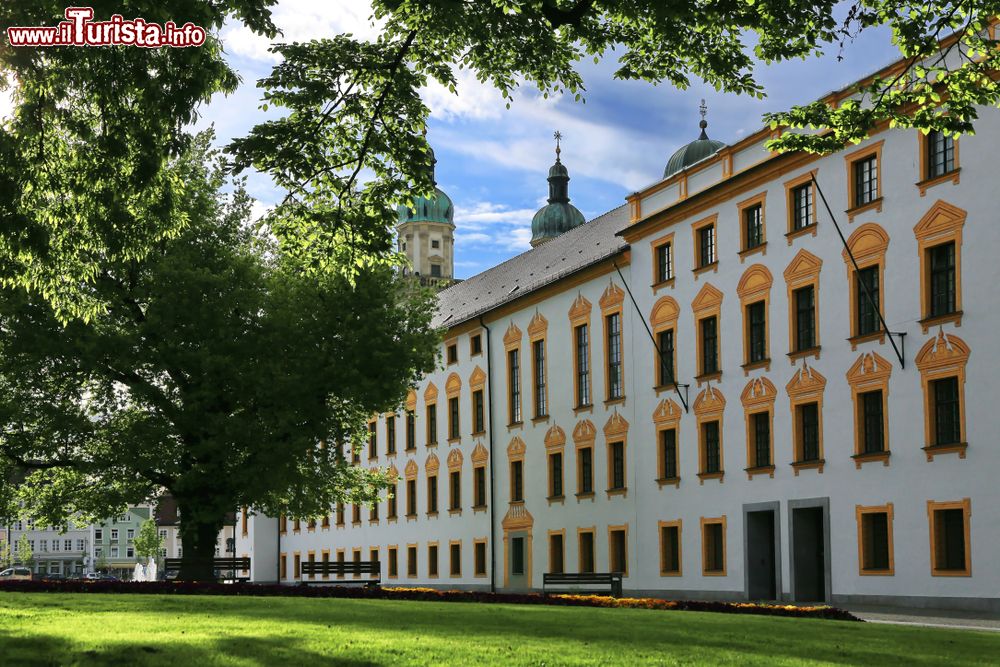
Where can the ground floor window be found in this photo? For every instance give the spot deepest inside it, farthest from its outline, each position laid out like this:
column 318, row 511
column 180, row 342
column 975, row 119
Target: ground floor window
column 713, row 546
column 670, row 548
column 949, row 526
column 556, row 554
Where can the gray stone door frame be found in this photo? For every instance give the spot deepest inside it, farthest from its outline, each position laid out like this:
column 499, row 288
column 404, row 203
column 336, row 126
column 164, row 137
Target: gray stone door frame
column 775, row 507
column 803, row 503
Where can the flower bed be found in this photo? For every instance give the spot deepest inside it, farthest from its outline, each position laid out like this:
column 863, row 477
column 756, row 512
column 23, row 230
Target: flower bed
column 425, row 594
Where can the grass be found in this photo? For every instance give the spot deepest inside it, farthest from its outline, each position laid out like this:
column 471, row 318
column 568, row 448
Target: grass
column 96, row 629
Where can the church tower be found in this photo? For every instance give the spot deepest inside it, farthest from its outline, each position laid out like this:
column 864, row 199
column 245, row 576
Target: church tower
column 558, row 216
column 427, row 235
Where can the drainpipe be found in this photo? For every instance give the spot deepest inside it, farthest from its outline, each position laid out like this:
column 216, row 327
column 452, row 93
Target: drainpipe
column 489, row 404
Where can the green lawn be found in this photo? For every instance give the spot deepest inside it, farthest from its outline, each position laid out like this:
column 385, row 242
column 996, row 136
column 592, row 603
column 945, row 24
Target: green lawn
column 120, row 630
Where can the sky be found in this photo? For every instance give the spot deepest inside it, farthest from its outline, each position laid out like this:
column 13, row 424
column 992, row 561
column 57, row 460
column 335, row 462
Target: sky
column 493, row 162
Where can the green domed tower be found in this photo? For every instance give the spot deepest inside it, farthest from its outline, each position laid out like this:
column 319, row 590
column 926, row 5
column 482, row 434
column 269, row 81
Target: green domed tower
column 426, row 235
column 696, row 151
column 558, row 216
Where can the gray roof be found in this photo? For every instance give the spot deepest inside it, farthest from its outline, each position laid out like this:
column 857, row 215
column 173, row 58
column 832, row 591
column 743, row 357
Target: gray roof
column 562, row 256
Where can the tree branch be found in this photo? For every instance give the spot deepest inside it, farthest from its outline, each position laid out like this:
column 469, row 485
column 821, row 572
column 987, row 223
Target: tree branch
column 559, row 17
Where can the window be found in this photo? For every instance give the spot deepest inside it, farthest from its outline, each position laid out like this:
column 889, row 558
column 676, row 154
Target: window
column 478, row 413
column 517, row 556
column 805, row 318
column 283, row 566
column 99, row 533
column 340, row 514
column 393, row 561
column 555, row 475
column 664, row 262
column 753, row 227
column 947, row 420
column 585, row 459
column 713, row 545
column 949, row 527
column 130, row 533
column 616, row 467
column 411, row 497
column 432, row 560
column 516, row 481
column 942, row 361
column 865, row 181
column 875, row 540
column 435, row 243
column 665, row 347
column 711, row 448
column 391, row 503
column 455, row 559
column 557, row 554
column 296, row 565
column 411, row 434
column 807, row 431
column 617, row 549
column 432, row 424
column 668, row 454
column 670, row 548
column 709, row 345
column 114, row 533
column 761, row 429
column 940, row 150
column 373, row 512
column 479, row 485
column 941, row 281
column 476, row 344
column 587, row 560
column 756, row 332
column 614, row 350
column 356, row 514
column 801, row 201
column 582, row 355
column 479, row 555
column 452, row 353
column 706, row 246
column 411, row 560
column 435, row 270
column 514, row 386
column 455, row 490
column 432, row 494
column 390, row 436
column 538, row 366
column 867, row 299
column 454, row 432
column 872, row 433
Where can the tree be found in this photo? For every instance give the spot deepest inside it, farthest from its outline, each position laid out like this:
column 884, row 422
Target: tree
column 148, row 541
column 220, row 372
column 541, row 42
column 90, row 140
column 5, row 556
column 25, row 556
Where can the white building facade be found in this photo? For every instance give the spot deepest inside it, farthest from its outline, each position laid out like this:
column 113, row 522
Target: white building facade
column 804, row 454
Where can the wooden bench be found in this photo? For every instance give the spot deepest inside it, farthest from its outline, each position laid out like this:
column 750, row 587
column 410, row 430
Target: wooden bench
column 172, row 566
column 336, row 571
column 583, row 582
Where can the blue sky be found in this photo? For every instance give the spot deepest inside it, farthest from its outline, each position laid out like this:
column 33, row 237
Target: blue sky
column 493, row 161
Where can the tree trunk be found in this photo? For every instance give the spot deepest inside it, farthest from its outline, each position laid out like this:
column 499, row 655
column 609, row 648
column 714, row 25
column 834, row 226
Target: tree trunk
column 199, row 536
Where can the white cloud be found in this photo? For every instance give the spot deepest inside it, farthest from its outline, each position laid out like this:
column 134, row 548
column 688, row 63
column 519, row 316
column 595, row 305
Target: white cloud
column 259, row 209
column 612, row 154
column 300, row 21
column 490, row 226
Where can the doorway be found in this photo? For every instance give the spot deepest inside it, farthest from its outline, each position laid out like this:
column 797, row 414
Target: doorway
column 761, row 579
column 810, row 537
column 762, row 549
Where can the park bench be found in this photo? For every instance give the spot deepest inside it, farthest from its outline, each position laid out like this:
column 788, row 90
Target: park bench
column 583, row 582
column 335, row 572
column 234, row 566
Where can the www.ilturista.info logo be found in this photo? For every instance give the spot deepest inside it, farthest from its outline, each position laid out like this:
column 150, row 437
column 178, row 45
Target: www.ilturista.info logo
column 79, row 30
